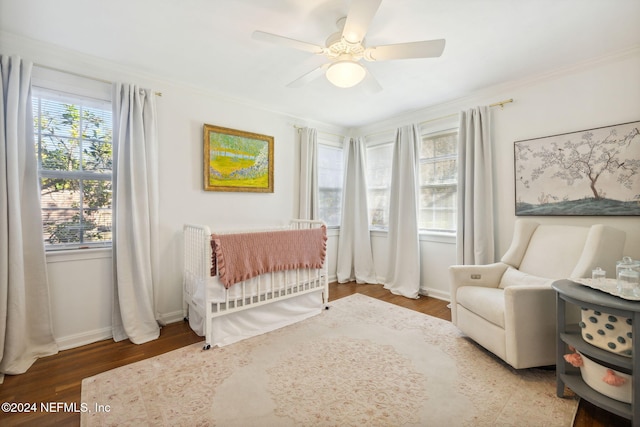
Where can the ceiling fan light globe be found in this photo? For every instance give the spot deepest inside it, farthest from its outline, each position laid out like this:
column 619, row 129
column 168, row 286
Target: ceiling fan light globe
column 345, row 74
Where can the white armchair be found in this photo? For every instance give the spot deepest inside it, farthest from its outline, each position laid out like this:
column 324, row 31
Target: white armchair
column 509, row 307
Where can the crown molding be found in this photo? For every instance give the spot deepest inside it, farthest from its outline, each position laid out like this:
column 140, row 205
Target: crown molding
column 494, row 93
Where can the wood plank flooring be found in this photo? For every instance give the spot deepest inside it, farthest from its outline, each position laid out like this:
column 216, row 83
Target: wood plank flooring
column 58, row 378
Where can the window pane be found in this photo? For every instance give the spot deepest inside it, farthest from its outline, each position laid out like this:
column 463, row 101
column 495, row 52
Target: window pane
column 438, row 208
column 427, row 172
column 96, row 215
column 445, row 145
column 60, row 200
column 330, row 181
column 59, row 119
column 427, row 150
column 379, row 207
column 379, row 159
column 58, row 128
column 59, row 153
column 330, row 205
column 446, row 171
column 96, row 132
column 437, row 220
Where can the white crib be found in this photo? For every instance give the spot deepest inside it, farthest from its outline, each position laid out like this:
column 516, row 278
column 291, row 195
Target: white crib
column 252, row 307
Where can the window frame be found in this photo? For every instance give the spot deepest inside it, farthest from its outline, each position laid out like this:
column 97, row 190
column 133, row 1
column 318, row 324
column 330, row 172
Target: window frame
column 381, row 143
column 74, row 90
column 454, row 184
column 326, row 141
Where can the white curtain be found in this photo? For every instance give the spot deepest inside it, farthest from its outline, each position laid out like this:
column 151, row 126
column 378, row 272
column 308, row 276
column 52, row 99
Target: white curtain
column 308, row 174
column 135, row 214
column 355, row 259
column 475, row 235
column 25, row 317
column 403, row 276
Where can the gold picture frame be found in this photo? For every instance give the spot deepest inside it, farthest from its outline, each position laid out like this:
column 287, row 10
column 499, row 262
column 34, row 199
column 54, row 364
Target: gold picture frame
column 236, row 160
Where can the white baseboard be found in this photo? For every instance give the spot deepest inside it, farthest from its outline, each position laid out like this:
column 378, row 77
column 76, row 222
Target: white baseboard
column 173, row 317
column 84, row 338
column 88, row 337
column 435, row 293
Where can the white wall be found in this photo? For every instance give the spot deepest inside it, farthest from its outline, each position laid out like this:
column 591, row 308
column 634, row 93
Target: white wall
column 602, row 92
column 81, row 295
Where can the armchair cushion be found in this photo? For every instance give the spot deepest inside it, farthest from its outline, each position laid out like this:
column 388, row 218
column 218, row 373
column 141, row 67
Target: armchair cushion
column 487, row 303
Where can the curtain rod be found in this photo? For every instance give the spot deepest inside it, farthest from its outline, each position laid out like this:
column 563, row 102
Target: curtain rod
column 501, row 103
column 298, row 128
column 84, row 76
column 448, row 116
column 495, row 104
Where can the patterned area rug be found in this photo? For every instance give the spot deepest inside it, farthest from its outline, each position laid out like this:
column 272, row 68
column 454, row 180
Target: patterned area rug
column 363, row 362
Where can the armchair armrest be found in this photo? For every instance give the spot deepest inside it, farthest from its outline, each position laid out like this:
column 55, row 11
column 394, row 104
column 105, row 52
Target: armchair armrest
column 530, row 313
column 477, row 275
column 487, row 276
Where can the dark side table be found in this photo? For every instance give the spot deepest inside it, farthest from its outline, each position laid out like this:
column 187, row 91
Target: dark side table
column 569, row 333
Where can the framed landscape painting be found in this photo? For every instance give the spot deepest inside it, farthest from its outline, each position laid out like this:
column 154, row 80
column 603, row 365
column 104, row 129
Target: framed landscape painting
column 590, row 172
column 235, row 160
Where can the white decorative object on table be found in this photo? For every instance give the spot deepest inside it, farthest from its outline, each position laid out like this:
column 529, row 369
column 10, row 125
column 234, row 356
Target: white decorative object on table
column 628, row 275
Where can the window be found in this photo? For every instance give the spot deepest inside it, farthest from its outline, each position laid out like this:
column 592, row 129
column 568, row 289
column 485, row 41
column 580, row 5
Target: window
column 379, row 158
column 438, row 182
column 330, row 181
column 73, row 146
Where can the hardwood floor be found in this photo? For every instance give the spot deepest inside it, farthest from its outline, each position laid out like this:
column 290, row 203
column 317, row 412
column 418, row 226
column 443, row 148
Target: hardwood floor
column 58, row 378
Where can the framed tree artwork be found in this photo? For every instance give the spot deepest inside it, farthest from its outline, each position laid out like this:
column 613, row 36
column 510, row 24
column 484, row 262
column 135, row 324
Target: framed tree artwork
column 235, row 160
column 590, row 172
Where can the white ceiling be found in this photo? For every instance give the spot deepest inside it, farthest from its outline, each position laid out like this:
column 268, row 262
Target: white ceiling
column 208, row 44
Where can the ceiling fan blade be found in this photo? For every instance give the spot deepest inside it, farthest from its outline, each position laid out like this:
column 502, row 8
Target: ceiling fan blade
column 359, row 18
column 423, row 49
column 287, row 42
column 309, row 77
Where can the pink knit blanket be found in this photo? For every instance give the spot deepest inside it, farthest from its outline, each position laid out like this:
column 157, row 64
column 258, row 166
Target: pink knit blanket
column 242, row 256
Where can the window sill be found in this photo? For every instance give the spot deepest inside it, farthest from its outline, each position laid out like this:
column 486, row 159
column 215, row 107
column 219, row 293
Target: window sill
column 67, row 255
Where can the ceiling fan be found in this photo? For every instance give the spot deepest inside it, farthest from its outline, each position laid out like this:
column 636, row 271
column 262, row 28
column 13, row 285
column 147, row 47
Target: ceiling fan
column 346, row 48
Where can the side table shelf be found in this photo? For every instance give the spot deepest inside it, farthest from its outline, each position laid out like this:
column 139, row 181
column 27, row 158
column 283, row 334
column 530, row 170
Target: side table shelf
column 569, row 334
column 574, row 382
column 612, row 360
